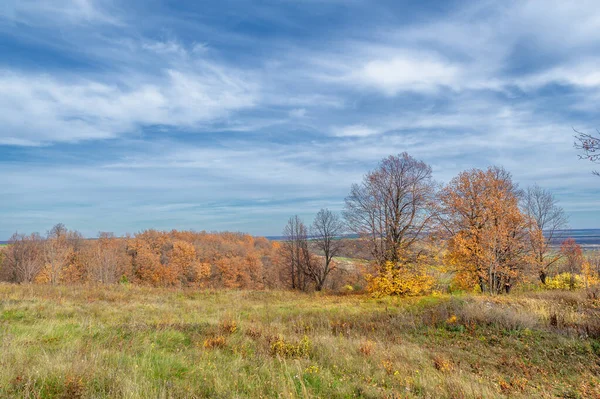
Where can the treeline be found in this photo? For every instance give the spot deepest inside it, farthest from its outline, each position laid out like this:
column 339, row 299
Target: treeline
column 481, row 229
column 157, row 258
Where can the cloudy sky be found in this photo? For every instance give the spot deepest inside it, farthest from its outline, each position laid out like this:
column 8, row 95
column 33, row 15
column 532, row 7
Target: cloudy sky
column 233, row 115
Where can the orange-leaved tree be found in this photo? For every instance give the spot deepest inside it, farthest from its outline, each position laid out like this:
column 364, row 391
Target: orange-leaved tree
column 487, row 244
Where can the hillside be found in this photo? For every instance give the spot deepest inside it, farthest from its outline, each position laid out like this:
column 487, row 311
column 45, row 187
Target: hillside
column 134, row 342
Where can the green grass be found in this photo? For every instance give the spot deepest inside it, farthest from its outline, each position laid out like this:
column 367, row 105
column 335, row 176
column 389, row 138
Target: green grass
column 131, row 342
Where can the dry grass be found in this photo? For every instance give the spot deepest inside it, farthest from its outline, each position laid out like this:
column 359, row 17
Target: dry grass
column 132, row 342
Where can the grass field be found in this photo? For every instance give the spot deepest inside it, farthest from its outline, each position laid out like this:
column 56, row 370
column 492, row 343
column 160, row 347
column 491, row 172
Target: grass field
column 131, row 342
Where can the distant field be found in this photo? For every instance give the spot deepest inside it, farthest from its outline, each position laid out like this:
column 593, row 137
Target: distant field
column 128, row 342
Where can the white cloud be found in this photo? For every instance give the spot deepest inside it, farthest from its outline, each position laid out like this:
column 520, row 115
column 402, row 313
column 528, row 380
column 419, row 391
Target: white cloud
column 354, row 131
column 583, row 73
column 39, row 109
column 49, row 12
column 359, row 94
column 298, row 113
column 407, row 72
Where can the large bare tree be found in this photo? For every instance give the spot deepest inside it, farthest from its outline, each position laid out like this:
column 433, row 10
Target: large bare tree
column 23, row 258
column 546, row 220
column 106, row 259
column 296, row 253
column 392, row 206
column 325, row 233
column 57, row 252
column 589, row 146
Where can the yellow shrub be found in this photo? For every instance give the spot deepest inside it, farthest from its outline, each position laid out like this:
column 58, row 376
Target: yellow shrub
column 214, row 342
column 228, row 326
column 402, row 281
column 291, row 349
column 565, row 281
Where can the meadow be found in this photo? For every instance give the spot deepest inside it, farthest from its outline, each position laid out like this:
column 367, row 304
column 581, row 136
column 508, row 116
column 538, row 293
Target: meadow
column 128, row 341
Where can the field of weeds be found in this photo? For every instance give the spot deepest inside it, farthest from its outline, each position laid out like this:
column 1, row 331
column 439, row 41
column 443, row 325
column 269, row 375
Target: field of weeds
column 132, row 342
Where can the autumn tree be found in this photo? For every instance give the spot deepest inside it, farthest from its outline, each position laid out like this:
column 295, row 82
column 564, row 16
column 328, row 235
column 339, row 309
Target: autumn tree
column 296, row 253
column 23, row 258
column 157, row 258
column 184, row 260
column 487, row 231
column 547, row 220
column 145, row 257
column 573, row 259
column 589, row 147
column 392, row 207
column 106, row 259
column 57, row 252
column 593, row 259
column 325, row 233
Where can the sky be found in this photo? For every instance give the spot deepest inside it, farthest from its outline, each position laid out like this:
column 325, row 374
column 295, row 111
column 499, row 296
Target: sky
column 234, row 115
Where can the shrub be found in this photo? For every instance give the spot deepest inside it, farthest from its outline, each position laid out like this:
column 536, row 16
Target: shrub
column 291, row 349
column 442, row 364
column 214, row 342
column 403, row 281
column 565, row 281
column 228, row 326
column 367, row 347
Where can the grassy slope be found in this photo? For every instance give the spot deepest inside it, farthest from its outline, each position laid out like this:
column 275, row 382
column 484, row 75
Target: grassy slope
column 140, row 342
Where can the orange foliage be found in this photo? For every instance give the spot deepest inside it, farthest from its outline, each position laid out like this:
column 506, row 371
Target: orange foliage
column 228, row 260
column 487, row 247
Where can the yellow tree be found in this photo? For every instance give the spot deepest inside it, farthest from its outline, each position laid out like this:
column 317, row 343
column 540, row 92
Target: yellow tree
column 574, row 259
column 488, row 232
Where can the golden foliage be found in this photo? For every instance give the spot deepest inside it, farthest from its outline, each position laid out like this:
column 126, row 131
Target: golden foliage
column 283, row 348
column 404, row 280
column 228, row 260
column 489, row 232
column 589, row 275
column 214, row 342
column 565, row 281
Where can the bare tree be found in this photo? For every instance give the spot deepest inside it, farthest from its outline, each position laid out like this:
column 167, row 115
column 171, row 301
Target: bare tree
column 392, row 206
column 589, row 146
column 58, row 250
column 106, row 259
column 296, row 252
column 325, row 233
column 546, row 220
column 23, row 258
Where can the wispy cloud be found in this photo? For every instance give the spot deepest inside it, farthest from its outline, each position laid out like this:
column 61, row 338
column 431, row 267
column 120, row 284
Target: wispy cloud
column 39, row 109
column 122, row 116
column 49, row 12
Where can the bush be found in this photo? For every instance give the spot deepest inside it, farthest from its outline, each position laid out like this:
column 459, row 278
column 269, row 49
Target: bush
column 403, row 281
column 565, row 281
column 291, row 349
column 214, row 342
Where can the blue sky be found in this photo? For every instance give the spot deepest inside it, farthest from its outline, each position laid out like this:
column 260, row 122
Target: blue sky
column 233, row 115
